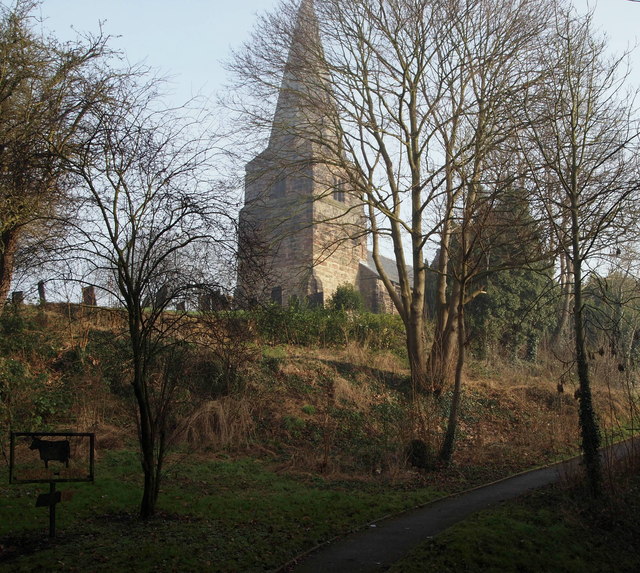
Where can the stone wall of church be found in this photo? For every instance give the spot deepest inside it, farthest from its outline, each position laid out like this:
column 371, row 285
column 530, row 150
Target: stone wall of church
column 276, row 261
column 311, row 229
column 375, row 295
column 336, row 253
column 339, row 243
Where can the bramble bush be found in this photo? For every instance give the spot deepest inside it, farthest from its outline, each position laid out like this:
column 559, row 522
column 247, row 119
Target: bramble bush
column 32, row 394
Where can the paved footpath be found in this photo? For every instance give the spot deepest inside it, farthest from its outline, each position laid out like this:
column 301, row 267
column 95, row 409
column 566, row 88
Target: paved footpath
column 385, row 542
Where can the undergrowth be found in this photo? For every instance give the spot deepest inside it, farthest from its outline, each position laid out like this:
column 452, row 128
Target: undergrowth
column 291, row 430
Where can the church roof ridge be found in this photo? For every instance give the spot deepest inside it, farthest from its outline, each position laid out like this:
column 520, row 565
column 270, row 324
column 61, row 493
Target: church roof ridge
column 388, row 265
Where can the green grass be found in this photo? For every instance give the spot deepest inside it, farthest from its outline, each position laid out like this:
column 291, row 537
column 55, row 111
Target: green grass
column 548, row 531
column 213, row 515
column 239, row 515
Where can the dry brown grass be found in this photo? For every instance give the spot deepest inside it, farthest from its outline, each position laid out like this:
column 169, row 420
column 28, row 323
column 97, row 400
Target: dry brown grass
column 308, row 403
column 96, row 405
column 516, row 425
column 513, row 416
column 111, row 437
column 527, row 420
column 215, row 424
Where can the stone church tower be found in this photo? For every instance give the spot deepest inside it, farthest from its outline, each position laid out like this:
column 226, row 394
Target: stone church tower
column 302, row 227
column 301, row 230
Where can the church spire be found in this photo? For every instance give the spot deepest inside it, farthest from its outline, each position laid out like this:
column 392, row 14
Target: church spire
column 304, row 101
column 306, row 31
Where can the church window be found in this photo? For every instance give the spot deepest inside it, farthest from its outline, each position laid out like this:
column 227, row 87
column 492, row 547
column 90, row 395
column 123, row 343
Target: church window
column 316, row 300
column 276, row 295
column 338, row 190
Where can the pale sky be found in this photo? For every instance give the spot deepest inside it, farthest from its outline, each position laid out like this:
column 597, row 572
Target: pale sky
column 188, row 39
column 184, row 39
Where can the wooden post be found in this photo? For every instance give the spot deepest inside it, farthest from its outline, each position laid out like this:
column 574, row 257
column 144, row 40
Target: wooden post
column 52, row 509
column 50, row 500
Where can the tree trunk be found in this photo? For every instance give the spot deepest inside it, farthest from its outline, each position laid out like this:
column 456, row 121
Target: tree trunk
column 8, row 248
column 417, row 352
column 588, row 424
column 146, row 425
column 151, row 485
column 564, row 312
column 446, row 451
column 147, row 452
column 440, row 363
column 440, row 360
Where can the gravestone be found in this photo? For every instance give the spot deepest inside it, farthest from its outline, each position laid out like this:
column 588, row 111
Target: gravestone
column 89, row 296
column 42, row 295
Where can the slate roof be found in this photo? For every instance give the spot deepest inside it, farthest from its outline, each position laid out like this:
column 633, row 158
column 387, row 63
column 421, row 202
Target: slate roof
column 388, row 265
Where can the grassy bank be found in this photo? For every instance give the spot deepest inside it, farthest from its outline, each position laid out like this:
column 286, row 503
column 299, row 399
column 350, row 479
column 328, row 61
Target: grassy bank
column 215, row 515
column 556, row 530
column 243, row 515
column 278, row 443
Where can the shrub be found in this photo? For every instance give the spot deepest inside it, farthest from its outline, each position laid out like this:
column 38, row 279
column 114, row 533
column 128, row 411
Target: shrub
column 111, row 355
column 346, row 297
column 328, row 327
column 28, row 400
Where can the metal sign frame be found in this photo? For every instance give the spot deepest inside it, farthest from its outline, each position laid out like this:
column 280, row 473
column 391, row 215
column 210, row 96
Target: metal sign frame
column 52, row 479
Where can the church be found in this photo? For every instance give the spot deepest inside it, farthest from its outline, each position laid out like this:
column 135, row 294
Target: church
column 303, row 229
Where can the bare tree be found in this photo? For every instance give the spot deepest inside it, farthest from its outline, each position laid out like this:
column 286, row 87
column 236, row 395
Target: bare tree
column 156, row 224
column 45, row 90
column 584, row 134
column 407, row 98
column 484, row 69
